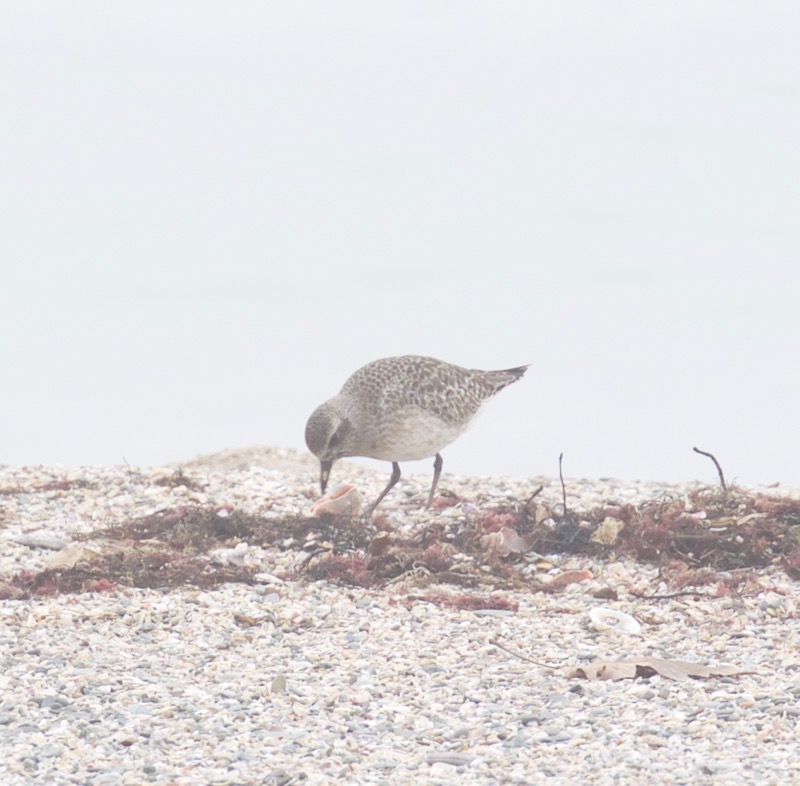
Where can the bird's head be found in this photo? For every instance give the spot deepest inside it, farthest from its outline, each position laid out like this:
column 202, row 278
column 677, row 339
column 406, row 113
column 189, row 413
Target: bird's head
column 328, row 434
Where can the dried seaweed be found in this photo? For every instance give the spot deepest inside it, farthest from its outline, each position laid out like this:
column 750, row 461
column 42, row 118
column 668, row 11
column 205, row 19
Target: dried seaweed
column 708, row 537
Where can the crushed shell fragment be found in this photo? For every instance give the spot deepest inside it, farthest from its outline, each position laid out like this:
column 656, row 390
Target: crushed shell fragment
column 607, row 620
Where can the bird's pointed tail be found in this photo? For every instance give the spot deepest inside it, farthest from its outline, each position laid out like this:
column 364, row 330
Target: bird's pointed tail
column 508, row 375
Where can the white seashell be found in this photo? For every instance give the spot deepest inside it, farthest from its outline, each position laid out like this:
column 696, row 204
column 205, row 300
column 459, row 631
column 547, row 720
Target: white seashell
column 342, row 500
column 241, row 555
column 608, row 619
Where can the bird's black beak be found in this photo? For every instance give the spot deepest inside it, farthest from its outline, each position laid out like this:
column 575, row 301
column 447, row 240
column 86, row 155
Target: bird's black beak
column 324, row 474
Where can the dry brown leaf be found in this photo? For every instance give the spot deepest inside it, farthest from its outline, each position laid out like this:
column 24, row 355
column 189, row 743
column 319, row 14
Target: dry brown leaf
column 647, row 667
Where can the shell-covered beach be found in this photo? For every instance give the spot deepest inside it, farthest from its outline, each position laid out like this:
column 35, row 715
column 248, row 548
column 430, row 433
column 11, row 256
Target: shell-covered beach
column 285, row 678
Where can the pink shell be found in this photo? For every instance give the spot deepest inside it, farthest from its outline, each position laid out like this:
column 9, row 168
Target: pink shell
column 342, row 500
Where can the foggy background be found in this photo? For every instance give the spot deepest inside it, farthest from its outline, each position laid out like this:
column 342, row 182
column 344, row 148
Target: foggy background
column 211, row 214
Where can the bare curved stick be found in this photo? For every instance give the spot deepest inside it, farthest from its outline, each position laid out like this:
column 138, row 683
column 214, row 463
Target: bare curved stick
column 716, row 464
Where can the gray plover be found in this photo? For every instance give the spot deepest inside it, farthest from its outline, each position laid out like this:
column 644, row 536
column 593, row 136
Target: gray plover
column 401, row 409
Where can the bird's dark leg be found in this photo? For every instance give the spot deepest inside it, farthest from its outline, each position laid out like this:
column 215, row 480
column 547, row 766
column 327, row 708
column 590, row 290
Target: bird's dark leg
column 437, row 470
column 392, row 480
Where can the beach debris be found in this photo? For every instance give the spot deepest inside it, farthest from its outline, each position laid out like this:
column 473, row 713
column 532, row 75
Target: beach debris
column 604, row 619
column 342, row 500
column 567, row 577
column 649, row 667
column 504, row 542
column 607, row 532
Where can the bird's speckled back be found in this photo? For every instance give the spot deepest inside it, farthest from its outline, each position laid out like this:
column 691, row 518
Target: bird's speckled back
column 450, row 392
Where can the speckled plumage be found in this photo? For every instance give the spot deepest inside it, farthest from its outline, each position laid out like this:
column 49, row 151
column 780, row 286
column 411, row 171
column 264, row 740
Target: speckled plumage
column 401, row 409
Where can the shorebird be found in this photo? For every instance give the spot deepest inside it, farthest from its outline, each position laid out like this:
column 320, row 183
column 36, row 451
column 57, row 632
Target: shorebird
column 401, row 409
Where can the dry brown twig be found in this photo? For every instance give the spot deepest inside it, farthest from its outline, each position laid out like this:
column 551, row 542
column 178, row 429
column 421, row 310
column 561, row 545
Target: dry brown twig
column 670, row 595
column 563, row 487
column 534, row 495
column 519, row 655
column 716, row 464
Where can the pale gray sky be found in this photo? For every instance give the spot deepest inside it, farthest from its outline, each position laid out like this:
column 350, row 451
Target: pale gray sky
column 212, row 213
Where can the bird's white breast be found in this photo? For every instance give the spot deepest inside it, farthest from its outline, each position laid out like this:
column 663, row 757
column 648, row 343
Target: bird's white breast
column 410, row 434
